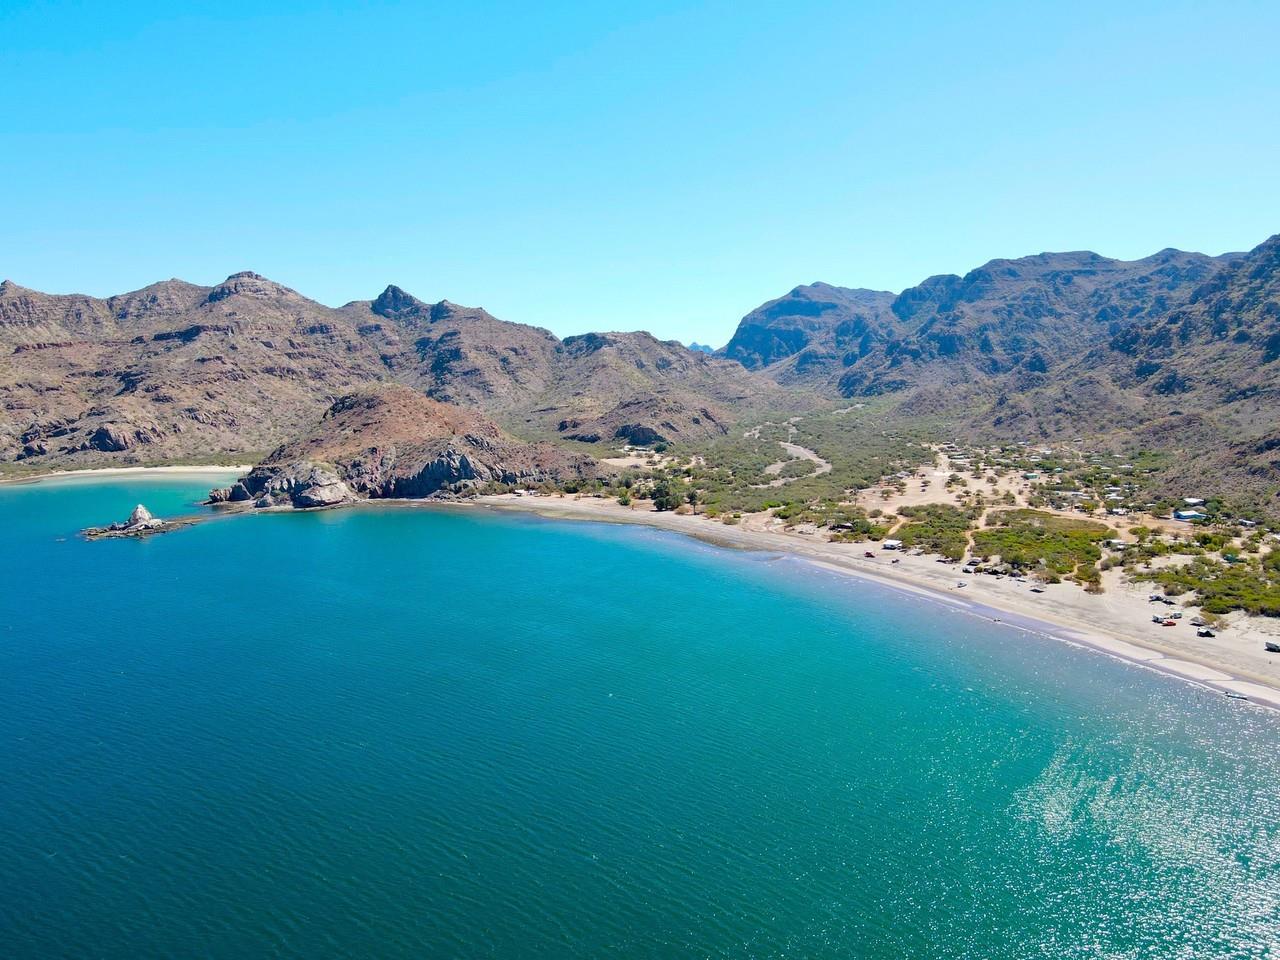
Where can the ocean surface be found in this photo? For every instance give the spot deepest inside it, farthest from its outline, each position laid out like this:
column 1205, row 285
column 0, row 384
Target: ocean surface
column 422, row 732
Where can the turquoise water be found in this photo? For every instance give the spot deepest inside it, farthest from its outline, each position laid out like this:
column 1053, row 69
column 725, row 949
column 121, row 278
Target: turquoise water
column 409, row 732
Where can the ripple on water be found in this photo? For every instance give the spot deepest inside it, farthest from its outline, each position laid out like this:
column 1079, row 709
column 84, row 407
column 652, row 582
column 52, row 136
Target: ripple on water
column 400, row 733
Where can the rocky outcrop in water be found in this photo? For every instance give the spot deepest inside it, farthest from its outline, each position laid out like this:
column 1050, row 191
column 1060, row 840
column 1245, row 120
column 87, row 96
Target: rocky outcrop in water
column 140, row 523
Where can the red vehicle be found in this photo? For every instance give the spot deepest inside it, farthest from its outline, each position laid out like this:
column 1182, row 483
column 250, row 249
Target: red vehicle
column 869, row 555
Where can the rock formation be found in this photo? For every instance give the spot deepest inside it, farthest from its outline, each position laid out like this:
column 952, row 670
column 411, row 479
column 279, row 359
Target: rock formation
column 393, row 442
column 140, row 522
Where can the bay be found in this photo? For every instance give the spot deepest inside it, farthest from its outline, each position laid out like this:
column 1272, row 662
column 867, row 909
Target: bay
column 424, row 731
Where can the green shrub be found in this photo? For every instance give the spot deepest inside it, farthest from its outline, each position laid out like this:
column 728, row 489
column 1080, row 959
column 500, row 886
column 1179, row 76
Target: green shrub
column 936, row 528
column 1027, row 539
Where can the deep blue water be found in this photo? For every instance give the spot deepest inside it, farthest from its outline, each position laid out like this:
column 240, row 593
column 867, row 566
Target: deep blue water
column 410, row 732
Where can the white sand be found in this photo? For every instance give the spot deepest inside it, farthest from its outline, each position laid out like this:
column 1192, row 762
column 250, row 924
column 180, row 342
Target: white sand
column 124, row 471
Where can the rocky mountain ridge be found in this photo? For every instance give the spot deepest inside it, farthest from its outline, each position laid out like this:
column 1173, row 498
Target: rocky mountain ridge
column 178, row 370
column 1006, row 317
column 1176, row 352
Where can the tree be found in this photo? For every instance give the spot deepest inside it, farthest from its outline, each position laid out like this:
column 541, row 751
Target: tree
column 664, row 497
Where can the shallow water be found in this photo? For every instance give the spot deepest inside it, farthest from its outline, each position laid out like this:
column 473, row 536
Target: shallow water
column 410, row 732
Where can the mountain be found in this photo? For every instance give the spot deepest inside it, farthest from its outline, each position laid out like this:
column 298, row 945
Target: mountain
column 391, row 441
column 700, row 347
column 1222, row 342
column 177, row 370
column 812, row 333
column 169, row 371
column 1027, row 314
column 540, row 385
column 1212, row 352
column 1177, row 353
column 456, row 354
column 1199, row 382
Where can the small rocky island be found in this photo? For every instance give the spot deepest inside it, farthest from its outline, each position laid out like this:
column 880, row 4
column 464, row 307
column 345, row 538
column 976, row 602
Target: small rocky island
column 392, row 442
column 140, row 524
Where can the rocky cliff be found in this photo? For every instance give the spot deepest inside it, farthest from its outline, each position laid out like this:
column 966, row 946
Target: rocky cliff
column 393, row 442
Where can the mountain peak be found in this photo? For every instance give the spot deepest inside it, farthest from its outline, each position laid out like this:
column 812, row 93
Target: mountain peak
column 395, row 302
column 248, row 283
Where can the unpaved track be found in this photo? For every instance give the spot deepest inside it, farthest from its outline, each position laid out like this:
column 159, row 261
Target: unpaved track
column 797, row 453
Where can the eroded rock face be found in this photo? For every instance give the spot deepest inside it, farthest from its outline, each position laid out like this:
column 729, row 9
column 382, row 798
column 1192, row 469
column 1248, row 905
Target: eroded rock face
column 302, row 484
column 110, row 439
column 395, row 443
column 236, row 493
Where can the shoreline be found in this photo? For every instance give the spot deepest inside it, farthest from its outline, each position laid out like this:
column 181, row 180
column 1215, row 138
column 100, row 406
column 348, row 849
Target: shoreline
column 196, row 469
column 1064, row 612
column 991, row 600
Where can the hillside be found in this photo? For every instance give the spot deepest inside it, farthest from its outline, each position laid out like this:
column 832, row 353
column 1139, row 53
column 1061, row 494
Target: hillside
column 539, row 385
column 391, row 441
column 1174, row 353
column 170, row 371
column 812, row 333
column 1006, row 317
column 177, row 371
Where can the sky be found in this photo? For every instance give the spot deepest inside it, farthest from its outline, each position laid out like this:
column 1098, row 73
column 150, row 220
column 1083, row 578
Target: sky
column 595, row 166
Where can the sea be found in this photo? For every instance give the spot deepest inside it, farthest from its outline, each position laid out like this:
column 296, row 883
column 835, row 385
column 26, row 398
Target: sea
column 433, row 731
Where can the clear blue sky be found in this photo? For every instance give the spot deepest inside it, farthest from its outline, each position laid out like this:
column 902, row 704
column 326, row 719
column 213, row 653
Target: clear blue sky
column 658, row 165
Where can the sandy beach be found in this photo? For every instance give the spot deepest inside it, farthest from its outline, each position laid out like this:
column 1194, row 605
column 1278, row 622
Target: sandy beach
column 126, row 471
column 1116, row 622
